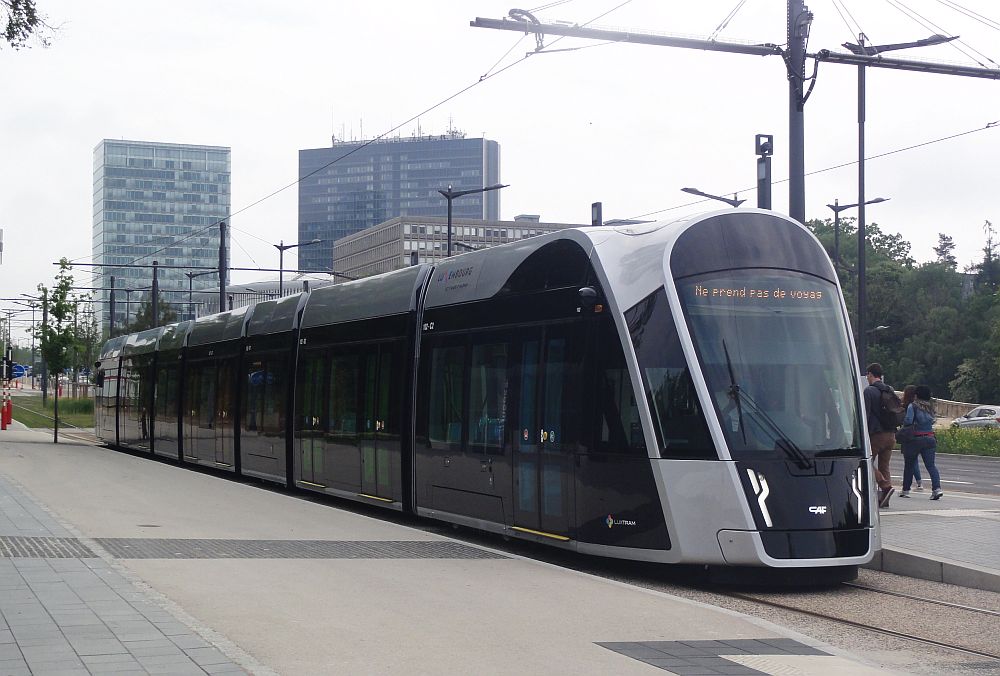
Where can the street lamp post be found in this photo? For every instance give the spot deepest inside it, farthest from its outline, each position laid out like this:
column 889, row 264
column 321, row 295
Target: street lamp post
column 874, row 333
column 450, row 194
column 871, row 50
column 734, row 202
column 837, row 207
column 282, row 248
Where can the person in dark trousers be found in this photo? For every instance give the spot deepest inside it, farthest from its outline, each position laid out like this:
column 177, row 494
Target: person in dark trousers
column 909, row 394
column 920, row 414
column 882, row 440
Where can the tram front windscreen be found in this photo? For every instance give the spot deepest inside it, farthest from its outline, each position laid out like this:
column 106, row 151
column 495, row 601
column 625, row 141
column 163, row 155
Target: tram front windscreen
column 773, row 347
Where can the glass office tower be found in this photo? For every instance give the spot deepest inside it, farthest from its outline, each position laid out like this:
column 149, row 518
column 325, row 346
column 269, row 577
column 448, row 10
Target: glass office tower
column 162, row 202
column 351, row 186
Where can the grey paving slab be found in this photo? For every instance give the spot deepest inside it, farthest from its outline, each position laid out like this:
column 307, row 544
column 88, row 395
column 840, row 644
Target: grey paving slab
column 948, row 540
column 63, row 610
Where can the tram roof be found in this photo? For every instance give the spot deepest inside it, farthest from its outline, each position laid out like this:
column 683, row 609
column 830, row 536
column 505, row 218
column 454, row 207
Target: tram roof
column 143, row 342
column 174, row 335
column 113, row 347
column 219, row 327
column 391, row 293
column 277, row 315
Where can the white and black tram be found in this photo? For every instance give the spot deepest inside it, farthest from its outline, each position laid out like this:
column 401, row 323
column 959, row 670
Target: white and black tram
column 678, row 392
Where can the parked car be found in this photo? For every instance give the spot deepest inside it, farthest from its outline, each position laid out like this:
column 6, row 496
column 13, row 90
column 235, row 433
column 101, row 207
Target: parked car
column 981, row 416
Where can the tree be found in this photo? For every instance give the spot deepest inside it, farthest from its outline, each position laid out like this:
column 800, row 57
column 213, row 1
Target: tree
column 144, row 315
column 945, row 251
column 57, row 336
column 23, row 22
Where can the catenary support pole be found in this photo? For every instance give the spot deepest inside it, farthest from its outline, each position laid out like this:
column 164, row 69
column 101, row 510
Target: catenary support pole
column 222, row 266
column 155, row 295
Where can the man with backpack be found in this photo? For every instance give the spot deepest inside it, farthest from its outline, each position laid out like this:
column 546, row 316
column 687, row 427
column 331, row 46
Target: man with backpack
column 884, row 413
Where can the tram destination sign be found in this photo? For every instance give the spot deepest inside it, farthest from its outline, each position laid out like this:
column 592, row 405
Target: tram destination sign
column 750, row 293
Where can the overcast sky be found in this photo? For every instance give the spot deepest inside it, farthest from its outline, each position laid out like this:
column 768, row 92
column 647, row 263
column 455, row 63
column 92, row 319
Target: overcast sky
column 625, row 124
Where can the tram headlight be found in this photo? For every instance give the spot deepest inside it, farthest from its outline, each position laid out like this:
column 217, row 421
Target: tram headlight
column 760, row 489
column 857, row 481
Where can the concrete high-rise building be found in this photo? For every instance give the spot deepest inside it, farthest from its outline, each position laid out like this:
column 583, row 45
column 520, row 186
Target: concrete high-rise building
column 352, row 186
column 157, row 201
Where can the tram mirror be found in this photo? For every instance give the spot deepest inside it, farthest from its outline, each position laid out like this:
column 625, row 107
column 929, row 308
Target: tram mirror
column 588, row 297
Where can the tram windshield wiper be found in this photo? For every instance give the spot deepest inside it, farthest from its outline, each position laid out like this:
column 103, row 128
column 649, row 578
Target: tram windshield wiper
column 760, row 416
column 734, row 392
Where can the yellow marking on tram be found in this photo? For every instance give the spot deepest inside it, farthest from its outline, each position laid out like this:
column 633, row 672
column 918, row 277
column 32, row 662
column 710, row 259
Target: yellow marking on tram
column 310, row 483
column 375, row 497
column 561, row 538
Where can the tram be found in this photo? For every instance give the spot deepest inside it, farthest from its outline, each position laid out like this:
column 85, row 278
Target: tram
column 678, row 392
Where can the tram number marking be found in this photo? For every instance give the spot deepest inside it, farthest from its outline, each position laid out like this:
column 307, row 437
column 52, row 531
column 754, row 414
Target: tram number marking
column 818, row 509
column 428, row 326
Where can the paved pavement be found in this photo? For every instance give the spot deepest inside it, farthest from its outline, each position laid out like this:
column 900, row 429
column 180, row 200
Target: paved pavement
column 111, row 563
column 955, row 539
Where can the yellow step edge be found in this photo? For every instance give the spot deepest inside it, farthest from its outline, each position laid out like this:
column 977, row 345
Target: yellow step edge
column 375, row 497
column 561, row 538
column 310, row 483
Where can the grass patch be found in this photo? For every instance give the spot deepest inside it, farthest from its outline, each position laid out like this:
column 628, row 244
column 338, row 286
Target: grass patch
column 76, row 412
column 969, row 441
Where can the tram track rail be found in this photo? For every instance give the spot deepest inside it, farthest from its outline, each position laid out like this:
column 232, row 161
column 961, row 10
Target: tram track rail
column 752, row 598
column 947, row 604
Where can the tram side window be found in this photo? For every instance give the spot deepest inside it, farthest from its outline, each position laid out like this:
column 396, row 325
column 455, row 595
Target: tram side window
column 488, row 391
column 618, row 426
column 678, row 416
column 264, row 397
column 447, row 405
column 343, row 413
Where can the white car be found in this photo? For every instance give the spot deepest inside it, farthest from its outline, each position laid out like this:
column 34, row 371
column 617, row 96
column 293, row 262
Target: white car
column 981, row 416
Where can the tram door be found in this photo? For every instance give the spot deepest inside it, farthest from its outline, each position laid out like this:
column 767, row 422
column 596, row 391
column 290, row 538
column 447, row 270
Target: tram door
column 225, row 402
column 548, row 413
column 379, row 439
column 310, row 429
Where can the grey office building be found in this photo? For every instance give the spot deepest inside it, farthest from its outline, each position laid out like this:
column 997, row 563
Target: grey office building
column 352, row 186
column 162, row 202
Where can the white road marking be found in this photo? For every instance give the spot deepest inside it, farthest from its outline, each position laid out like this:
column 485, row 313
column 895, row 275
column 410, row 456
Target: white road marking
column 967, row 483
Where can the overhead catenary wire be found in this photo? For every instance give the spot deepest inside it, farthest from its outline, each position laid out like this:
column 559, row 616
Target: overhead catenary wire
column 990, row 125
column 855, row 30
column 924, row 22
column 985, row 20
column 725, row 22
column 440, row 103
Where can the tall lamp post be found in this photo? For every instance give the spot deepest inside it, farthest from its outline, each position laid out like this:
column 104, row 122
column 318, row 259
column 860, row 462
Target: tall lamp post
column 871, row 50
column 874, row 333
column 734, row 202
column 837, row 208
column 282, row 248
column 450, row 194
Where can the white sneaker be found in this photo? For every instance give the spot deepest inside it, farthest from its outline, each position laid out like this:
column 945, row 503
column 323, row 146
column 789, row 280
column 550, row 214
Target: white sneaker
column 904, row 494
column 920, row 487
column 936, row 495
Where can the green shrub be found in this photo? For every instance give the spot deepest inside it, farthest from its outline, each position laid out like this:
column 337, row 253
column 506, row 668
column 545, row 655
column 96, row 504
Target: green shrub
column 969, row 441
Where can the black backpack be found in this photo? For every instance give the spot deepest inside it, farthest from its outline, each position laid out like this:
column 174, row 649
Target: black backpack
column 890, row 410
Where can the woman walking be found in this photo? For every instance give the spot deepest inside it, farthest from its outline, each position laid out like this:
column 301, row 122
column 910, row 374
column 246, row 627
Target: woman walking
column 922, row 443
column 909, row 394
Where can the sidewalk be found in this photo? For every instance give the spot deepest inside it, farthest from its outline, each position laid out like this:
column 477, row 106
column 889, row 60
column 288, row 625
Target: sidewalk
column 64, row 609
column 111, row 559
column 955, row 539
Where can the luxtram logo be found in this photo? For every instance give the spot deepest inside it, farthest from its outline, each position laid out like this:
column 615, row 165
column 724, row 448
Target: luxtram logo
column 612, row 521
column 453, row 274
